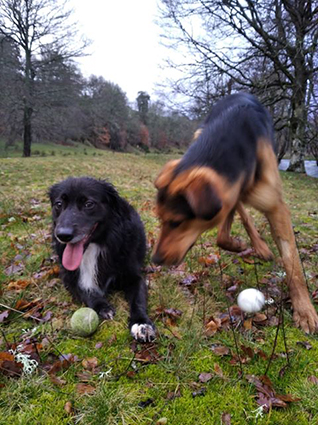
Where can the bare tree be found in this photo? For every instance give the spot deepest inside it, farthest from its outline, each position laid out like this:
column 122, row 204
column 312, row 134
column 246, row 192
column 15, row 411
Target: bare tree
column 36, row 26
column 58, row 88
column 10, row 89
column 267, row 47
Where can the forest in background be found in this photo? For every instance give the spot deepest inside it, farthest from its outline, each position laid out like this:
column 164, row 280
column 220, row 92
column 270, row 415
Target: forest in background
column 216, row 48
column 68, row 107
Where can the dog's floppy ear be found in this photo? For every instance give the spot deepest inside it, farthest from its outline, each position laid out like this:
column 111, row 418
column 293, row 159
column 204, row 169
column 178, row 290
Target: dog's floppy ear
column 109, row 193
column 53, row 191
column 166, row 173
column 203, row 199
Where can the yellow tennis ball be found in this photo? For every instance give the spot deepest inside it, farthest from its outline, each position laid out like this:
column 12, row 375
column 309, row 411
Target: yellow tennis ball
column 84, row 321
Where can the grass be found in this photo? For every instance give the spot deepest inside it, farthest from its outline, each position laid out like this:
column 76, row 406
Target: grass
column 164, row 384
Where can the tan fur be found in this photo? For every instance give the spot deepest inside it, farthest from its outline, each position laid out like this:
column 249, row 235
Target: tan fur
column 225, row 241
column 259, row 245
column 197, row 134
column 266, row 196
column 194, row 178
column 173, row 244
column 267, row 192
column 165, row 175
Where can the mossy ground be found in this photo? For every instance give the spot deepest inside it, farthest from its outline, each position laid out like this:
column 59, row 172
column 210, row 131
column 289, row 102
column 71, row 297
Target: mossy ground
column 183, row 351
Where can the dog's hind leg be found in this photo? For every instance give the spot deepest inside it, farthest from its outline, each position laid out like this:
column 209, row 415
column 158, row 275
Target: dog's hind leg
column 266, row 196
column 305, row 314
column 261, row 248
column 224, row 240
column 141, row 327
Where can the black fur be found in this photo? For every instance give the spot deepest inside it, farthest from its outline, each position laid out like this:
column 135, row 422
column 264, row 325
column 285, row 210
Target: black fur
column 229, row 137
column 92, row 209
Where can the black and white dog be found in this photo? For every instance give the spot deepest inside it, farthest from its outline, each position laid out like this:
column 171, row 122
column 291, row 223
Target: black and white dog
column 101, row 243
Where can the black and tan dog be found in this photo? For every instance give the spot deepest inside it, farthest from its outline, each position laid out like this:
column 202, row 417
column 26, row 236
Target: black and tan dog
column 232, row 161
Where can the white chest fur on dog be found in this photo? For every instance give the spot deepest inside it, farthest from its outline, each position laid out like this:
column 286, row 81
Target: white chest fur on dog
column 88, row 268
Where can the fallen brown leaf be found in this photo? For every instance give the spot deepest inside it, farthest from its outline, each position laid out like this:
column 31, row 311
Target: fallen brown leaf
column 68, row 407
column 226, row 419
column 5, row 356
column 248, row 260
column 148, row 354
column 19, row 284
column 266, row 394
column 261, row 353
column 220, row 350
column 23, row 305
column 90, row 363
column 4, row 315
column 85, row 389
column 8, row 365
column 173, row 394
column 209, row 260
column 248, row 351
column 63, row 363
column 218, row 370
column 313, row 379
column 288, row 398
column 212, row 326
column 205, row 377
column 84, row 376
column 56, row 380
column 259, row 317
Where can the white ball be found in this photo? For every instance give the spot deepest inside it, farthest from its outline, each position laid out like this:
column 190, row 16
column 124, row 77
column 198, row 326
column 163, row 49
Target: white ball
column 251, row 300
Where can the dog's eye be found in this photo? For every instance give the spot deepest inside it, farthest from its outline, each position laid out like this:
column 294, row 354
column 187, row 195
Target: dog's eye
column 89, row 204
column 58, row 205
column 174, row 224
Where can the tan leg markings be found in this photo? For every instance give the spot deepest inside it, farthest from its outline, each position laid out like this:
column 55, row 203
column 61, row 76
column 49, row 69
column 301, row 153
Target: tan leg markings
column 259, row 245
column 225, row 241
column 266, row 196
column 305, row 314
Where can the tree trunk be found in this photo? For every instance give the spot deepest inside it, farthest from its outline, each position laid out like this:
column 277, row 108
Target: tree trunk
column 27, row 131
column 297, row 163
column 298, row 147
column 28, row 109
column 297, row 124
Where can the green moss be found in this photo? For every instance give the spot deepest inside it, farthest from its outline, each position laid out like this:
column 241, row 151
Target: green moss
column 183, row 349
column 32, row 401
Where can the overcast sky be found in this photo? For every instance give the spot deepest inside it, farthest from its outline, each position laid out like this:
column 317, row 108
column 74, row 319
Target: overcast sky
column 125, row 42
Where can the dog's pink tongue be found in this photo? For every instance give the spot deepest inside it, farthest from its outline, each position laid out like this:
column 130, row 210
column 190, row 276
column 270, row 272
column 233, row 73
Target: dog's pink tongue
column 72, row 255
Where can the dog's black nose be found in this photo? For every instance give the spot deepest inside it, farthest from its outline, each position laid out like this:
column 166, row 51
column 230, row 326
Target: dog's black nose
column 65, row 234
column 157, row 259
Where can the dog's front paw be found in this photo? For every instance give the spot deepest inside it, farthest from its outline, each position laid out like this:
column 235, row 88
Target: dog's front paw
column 232, row 244
column 262, row 251
column 306, row 318
column 143, row 332
column 107, row 313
